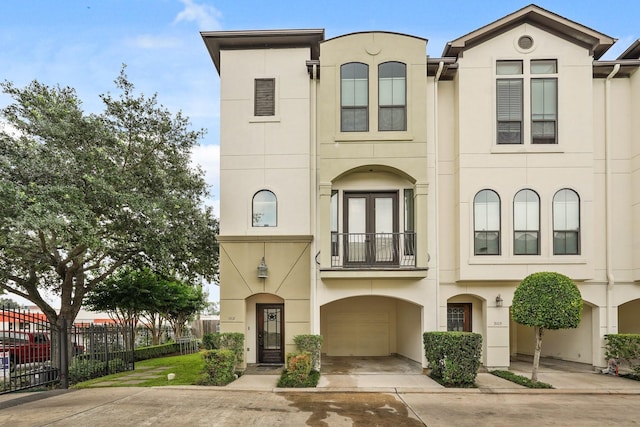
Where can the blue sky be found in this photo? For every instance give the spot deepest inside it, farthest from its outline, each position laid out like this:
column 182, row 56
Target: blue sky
column 83, row 43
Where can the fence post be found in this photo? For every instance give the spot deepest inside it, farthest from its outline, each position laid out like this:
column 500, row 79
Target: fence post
column 64, row 355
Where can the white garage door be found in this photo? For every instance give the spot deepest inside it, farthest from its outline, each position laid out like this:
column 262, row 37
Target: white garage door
column 358, row 334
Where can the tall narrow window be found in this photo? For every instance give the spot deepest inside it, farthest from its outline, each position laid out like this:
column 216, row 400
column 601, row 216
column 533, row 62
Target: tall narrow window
column 544, row 102
column 409, row 223
column 265, row 209
column 566, row 223
column 354, row 114
column 392, row 96
column 334, row 223
column 509, row 103
column 526, row 223
column 265, row 97
column 486, row 220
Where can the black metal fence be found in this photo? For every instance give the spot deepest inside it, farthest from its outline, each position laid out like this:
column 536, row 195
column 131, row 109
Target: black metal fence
column 35, row 354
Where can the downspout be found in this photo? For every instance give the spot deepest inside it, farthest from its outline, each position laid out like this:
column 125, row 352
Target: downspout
column 608, row 192
column 315, row 310
column 436, row 188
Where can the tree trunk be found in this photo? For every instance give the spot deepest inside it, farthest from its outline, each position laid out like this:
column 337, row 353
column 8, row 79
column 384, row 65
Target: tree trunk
column 536, row 355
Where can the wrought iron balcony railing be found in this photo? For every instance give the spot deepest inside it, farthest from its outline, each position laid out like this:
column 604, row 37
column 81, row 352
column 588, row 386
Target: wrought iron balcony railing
column 373, row 250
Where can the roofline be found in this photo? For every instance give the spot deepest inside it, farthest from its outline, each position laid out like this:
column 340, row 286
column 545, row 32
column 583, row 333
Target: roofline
column 216, row 41
column 378, row 32
column 632, row 52
column 597, row 42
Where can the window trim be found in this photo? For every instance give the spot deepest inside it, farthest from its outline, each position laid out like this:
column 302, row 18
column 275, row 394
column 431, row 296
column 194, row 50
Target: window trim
column 476, row 230
column 344, row 108
column 392, row 106
column 515, row 221
column 577, row 232
column 255, row 223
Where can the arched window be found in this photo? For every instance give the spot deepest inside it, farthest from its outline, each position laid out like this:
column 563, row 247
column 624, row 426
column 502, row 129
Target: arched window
column 526, row 223
column 566, row 223
column 265, row 209
column 354, row 88
column 486, row 223
column 392, row 96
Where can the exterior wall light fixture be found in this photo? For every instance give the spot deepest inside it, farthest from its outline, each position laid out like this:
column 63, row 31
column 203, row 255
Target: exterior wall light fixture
column 498, row 300
column 263, row 270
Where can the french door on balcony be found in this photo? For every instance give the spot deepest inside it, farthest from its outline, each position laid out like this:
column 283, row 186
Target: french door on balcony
column 371, row 229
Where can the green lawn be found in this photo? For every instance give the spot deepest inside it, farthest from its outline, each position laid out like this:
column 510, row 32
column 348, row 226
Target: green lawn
column 187, row 368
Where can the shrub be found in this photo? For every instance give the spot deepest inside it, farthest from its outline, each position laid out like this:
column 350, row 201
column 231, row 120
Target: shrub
column 519, row 379
column 298, row 371
column 233, row 341
column 116, row 365
column 218, row 367
column 152, row 352
column 311, row 344
column 454, row 357
column 625, row 348
column 85, row 369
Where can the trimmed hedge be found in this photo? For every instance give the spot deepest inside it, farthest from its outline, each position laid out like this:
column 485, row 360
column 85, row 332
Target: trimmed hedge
column 219, row 367
column 154, row 351
column 625, row 348
column 454, row 357
column 233, row 341
column 519, row 379
column 311, row 344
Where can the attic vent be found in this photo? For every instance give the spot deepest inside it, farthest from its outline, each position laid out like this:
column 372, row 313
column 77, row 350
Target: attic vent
column 525, row 42
column 265, row 103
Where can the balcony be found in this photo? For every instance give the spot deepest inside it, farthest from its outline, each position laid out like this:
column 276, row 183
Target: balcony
column 370, row 251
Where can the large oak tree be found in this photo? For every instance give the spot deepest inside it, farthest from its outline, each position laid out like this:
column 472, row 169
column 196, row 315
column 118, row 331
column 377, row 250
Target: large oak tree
column 82, row 195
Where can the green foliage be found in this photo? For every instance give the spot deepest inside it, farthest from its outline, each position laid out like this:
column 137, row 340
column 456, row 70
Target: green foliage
column 519, row 379
column 83, row 195
column 152, row 352
column 83, row 369
column 287, row 382
column 233, row 341
column 454, row 357
column 219, row 367
column 547, row 300
column 298, row 371
column 9, row 303
column 624, row 348
column 311, row 344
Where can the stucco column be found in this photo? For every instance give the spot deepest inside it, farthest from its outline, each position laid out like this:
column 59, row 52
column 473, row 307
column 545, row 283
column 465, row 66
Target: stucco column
column 497, row 335
column 421, row 224
column 323, row 233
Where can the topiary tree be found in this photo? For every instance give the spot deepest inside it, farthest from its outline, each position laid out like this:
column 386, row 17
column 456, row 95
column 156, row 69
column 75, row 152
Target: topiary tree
column 546, row 301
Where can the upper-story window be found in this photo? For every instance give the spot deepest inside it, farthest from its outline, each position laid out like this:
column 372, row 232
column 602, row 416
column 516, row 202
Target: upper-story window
column 542, row 104
column 265, row 209
column 354, row 88
column 264, row 97
column 566, row 223
column 486, row 223
column 526, row 223
column 392, row 96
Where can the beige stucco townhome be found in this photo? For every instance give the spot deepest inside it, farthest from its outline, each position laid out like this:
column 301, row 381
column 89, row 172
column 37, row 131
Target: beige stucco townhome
column 372, row 191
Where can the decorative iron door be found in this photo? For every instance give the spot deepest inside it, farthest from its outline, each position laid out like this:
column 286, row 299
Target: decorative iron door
column 270, row 330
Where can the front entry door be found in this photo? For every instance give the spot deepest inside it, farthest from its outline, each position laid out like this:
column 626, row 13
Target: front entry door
column 270, row 329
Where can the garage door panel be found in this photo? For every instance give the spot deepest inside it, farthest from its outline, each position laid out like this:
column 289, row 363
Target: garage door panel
column 358, row 334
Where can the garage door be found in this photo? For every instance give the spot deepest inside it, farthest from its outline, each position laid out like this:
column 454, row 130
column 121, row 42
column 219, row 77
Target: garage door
column 358, row 334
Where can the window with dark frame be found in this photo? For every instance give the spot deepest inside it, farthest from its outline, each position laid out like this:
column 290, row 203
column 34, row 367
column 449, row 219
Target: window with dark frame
column 509, row 102
column 264, row 209
column 354, row 89
column 392, row 96
column 265, row 97
column 566, row 223
column 334, row 223
column 544, row 102
column 526, row 223
column 486, row 223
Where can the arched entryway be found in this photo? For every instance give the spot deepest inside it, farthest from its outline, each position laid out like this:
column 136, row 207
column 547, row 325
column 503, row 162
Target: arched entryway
column 629, row 317
column 372, row 326
column 265, row 329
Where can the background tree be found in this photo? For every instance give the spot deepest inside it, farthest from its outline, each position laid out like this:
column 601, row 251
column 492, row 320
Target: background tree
column 183, row 302
column 546, row 301
column 83, row 195
column 9, row 303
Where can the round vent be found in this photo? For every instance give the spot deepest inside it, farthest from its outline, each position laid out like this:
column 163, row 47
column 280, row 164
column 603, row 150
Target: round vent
column 525, row 42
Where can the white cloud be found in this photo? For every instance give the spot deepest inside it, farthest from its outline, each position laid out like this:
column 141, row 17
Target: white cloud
column 146, row 41
column 206, row 16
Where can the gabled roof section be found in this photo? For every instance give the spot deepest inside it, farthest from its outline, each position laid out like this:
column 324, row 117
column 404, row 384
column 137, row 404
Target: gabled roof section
column 632, row 52
column 217, row 41
column 596, row 42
